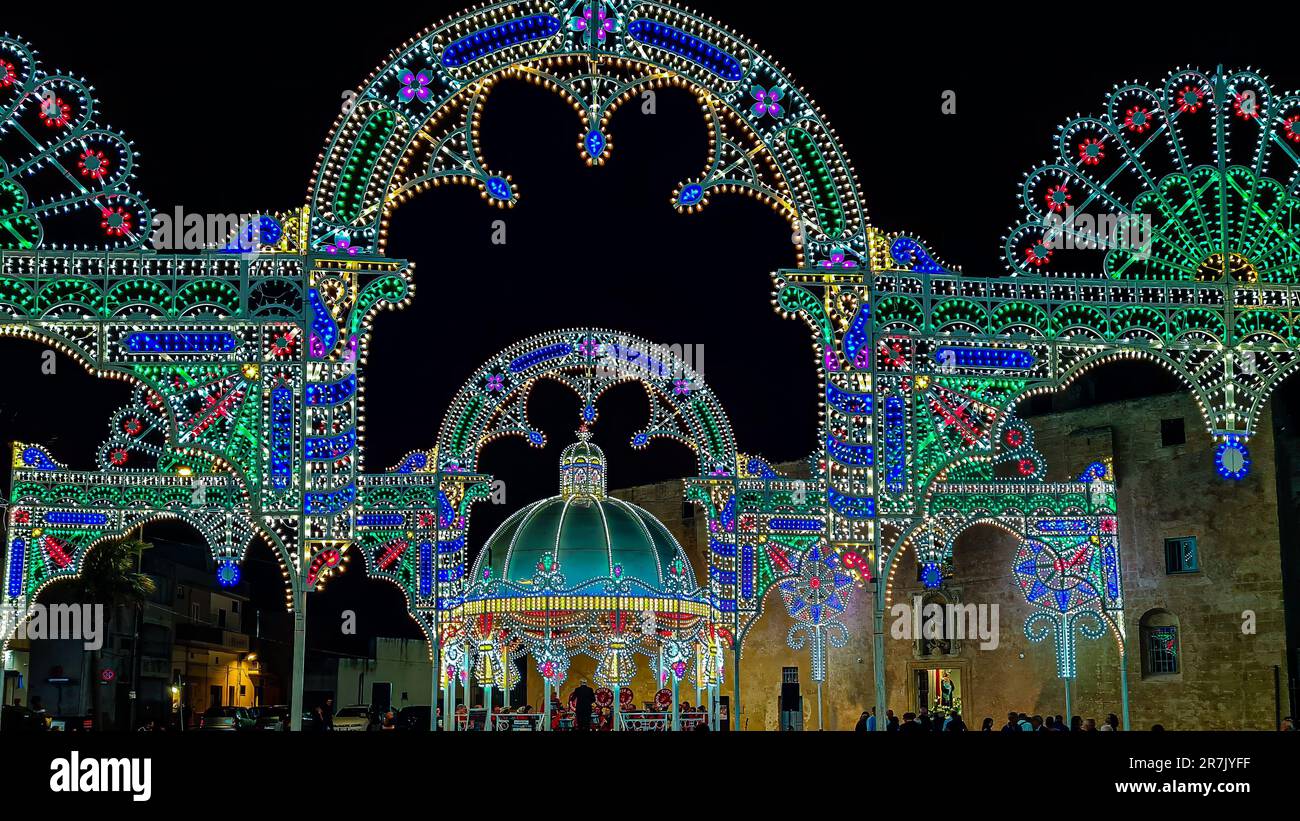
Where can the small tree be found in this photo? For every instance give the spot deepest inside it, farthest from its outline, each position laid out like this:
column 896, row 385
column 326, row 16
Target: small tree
column 110, row 577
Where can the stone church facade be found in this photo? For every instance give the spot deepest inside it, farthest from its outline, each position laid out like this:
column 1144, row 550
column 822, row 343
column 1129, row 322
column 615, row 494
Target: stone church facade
column 1205, row 619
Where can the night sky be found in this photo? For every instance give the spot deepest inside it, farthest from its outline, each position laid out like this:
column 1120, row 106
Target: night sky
column 230, row 108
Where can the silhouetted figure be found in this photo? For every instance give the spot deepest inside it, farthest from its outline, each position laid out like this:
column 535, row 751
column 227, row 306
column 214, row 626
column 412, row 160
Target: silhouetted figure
column 584, row 698
column 911, row 724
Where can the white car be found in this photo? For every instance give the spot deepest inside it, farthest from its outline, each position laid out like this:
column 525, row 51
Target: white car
column 352, row 719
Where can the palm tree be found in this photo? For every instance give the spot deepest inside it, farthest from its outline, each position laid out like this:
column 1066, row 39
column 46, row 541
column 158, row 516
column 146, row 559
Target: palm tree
column 110, row 577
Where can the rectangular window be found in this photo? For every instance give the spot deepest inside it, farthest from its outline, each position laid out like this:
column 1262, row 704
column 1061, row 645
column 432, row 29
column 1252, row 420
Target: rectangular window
column 194, row 611
column 1162, row 649
column 1172, row 432
column 1180, row 555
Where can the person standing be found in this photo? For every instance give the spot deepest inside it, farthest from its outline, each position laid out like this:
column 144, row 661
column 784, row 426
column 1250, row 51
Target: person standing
column 584, row 697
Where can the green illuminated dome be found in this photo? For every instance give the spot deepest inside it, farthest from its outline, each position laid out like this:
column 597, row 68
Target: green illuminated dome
column 587, row 534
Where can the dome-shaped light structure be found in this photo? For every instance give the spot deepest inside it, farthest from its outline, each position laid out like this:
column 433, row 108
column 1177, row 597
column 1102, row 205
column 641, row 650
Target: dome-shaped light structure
column 582, row 572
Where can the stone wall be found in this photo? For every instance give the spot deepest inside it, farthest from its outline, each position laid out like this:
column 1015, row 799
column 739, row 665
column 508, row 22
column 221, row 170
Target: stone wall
column 1226, row 678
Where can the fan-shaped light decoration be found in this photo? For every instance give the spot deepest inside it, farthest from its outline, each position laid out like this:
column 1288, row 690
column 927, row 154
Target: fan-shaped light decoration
column 1190, row 180
column 67, row 182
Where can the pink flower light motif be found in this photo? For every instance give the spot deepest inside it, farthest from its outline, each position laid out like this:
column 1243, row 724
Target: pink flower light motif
column 601, row 25
column 839, row 259
column 589, row 347
column 681, row 387
column 496, row 382
column 342, row 245
column 769, row 102
column 415, row 85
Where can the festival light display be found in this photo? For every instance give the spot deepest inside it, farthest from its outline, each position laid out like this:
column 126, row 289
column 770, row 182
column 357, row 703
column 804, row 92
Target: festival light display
column 1163, row 230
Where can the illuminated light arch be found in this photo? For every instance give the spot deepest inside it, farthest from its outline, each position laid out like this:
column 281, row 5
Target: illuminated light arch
column 423, row 104
column 423, row 502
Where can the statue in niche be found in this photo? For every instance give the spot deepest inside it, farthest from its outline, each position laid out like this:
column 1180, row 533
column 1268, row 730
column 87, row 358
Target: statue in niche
column 940, row 611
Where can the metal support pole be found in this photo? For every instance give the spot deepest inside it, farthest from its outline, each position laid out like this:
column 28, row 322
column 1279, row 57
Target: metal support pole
column 449, row 716
column 546, row 706
column 1069, row 717
column 1123, row 687
column 487, row 704
column 448, row 707
column 878, row 655
column 677, row 715
column 435, row 686
column 735, row 686
column 296, row 707
column 820, row 725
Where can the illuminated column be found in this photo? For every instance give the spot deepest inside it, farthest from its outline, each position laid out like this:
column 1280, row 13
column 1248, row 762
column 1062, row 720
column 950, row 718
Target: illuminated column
column 617, row 709
column 1123, row 685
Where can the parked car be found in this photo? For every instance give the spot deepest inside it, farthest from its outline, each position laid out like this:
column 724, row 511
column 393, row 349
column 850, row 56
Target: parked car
column 353, row 719
column 276, row 718
column 15, row 719
column 227, row 719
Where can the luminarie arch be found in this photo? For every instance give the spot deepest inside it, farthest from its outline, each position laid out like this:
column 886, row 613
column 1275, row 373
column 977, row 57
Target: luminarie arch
column 254, row 351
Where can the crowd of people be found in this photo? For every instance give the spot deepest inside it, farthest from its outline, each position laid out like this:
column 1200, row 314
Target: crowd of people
column 952, row 722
